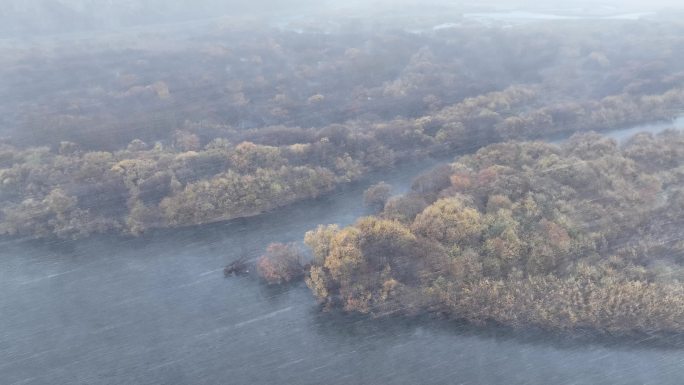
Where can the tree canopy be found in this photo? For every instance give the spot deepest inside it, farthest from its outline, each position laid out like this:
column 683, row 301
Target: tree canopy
column 581, row 235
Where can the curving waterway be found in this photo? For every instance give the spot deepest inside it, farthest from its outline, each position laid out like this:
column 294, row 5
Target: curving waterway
column 157, row 310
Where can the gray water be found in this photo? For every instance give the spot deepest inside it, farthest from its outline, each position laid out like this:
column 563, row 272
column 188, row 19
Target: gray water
column 653, row 128
column 157, row 310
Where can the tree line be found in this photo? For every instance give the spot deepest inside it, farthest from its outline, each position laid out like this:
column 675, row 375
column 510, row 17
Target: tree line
column 582, row 235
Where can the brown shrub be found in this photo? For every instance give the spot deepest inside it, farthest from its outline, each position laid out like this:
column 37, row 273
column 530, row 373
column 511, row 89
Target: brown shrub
column 377, row 195
column 282, row 263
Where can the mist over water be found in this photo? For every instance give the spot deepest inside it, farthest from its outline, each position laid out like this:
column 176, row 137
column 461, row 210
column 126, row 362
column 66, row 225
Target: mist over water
column 147, row 144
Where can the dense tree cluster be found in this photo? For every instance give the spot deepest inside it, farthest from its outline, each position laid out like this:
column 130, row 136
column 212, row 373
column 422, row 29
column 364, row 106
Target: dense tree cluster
column 70, row 195
column 582, row 235
column 245, row 121
column 188, row 182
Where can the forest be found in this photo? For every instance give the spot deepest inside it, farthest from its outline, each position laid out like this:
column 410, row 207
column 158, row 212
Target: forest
column 581, row 235
column 124, row 138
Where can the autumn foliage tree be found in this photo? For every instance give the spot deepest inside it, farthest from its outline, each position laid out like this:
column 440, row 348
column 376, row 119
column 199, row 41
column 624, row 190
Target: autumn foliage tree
column 377, row 195
column 281, row 263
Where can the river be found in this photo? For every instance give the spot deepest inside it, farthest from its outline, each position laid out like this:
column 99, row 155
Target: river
column 157, row 310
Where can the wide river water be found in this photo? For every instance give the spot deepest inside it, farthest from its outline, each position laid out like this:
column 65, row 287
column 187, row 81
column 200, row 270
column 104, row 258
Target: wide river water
column 157, row 310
